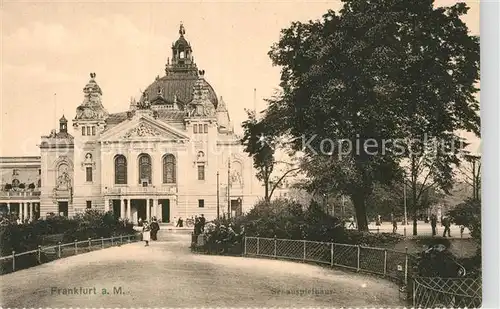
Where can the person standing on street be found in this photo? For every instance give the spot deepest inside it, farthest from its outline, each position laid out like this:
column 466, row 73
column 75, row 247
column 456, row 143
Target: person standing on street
column 146, row 232
column 446, row 223
column 394, row 224
column 155, row 227
column 434, row 220
column 202, row 222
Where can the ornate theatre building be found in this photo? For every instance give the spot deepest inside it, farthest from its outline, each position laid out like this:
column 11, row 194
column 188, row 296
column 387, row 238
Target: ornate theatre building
column 173, row 153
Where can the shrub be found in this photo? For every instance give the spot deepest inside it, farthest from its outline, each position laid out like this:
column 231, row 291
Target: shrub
column 8, row 187
column 31, row 186
column 22, row 186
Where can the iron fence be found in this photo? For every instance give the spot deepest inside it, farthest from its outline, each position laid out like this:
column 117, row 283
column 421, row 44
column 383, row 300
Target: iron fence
column 391, row 264
column 41, row 255
column 384, row 262
column 447, row 292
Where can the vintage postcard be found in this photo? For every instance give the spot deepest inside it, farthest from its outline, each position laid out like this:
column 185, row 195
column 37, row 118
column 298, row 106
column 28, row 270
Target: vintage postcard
column 240, row 154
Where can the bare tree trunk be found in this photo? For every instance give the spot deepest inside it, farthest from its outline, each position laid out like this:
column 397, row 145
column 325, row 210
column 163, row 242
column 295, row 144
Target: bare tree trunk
column 358, row 201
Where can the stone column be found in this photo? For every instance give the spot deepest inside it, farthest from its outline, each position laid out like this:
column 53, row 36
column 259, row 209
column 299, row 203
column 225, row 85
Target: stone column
column 8, row 206
column 155, row 208
column 106, row 205
column 21, row 208
column 148, row 209
column 25, row 211
column 129, row 210
column 32, row 211
column 122, row 208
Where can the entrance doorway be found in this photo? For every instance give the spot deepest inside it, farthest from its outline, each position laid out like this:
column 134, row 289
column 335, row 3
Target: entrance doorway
column 165, row 210
column 140, row 206
column 63, row 209
column 117, row 211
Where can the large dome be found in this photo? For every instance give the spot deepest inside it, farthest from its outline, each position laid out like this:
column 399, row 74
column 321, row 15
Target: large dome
column 180, row 77
column 176, row 87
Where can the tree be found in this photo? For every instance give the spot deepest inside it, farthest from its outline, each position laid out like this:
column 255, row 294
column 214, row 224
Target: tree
column 375, row 74
column 260, row 143
column 471, row 170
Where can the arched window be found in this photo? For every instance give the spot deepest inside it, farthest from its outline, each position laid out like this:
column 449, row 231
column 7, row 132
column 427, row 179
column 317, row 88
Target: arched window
column 144, row 168
column 120, row 170
column 169, row 168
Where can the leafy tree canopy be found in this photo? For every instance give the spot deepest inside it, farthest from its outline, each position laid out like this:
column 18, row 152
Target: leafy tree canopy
column 377, row 72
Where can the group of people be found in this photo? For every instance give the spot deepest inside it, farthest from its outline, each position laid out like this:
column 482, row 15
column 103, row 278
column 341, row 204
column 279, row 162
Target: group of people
column 150, row 230
column 199, row 224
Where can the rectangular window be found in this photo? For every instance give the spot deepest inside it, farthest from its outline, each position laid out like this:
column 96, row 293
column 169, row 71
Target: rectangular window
column 88, row 173
column 195, row 128
column 93, row 130
column 200, row 128
column 201, row 172
column 205, row 128
column 201, row 203
column 83, row 131
column 88, row 130
column 89, row 204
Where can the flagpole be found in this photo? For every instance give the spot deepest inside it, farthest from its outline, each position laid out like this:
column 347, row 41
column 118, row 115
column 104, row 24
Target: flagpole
column 255, row 101
column 55, row 109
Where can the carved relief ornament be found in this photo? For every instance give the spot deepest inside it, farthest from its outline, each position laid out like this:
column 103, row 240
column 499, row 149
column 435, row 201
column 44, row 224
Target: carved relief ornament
column 142, row 131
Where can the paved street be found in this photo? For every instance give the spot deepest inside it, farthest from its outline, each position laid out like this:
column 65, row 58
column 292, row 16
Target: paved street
column 167, row 274
column 423, row 229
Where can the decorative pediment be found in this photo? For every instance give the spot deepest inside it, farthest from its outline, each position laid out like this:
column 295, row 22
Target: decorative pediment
column 142, row 130
column 143, row 126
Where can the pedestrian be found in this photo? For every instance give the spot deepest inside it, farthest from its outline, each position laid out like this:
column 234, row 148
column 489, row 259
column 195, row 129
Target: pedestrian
column 446, row 223
column 394, row 225
column 351, row 220
column 434, row 224
column 179, row 222
column 377, row 221
column 146, row 232
column 155, row 227
column 202, row 222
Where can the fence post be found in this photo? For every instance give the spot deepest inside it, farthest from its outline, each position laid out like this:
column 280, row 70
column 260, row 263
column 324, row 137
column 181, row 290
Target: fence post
column 102, row 242
column 359, row 254
column 331, row 254
column 76, row 246
column 304, row 249
column 406, row 266
column 90, row 243
column 121, row 239
column 385, row 262
column 258, row 242
column 59, row 249
column 413, row 295
column 245, row 247
column 13, row 261
column 275, row 245
column 112, row 243
column 39, row 254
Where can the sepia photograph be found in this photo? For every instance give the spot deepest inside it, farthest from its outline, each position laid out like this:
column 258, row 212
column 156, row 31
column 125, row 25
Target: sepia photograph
column 241, row 154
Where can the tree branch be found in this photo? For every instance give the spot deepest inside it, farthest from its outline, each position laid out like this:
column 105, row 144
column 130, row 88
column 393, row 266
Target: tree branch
column 279, row 180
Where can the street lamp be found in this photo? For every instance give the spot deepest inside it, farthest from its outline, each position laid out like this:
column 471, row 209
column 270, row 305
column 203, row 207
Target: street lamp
column 405, row 223
column 218, row 207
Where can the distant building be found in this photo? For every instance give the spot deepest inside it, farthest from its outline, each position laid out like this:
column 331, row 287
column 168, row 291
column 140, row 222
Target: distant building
column 159, row 158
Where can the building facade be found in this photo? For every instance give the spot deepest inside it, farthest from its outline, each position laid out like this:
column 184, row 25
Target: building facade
column 173, row 153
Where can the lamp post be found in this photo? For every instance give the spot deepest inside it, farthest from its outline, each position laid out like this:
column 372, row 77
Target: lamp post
column 229, row 188
column 218, row 208
column 404, row 197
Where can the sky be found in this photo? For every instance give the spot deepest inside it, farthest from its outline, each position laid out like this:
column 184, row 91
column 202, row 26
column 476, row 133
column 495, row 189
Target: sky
column 48, row 49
